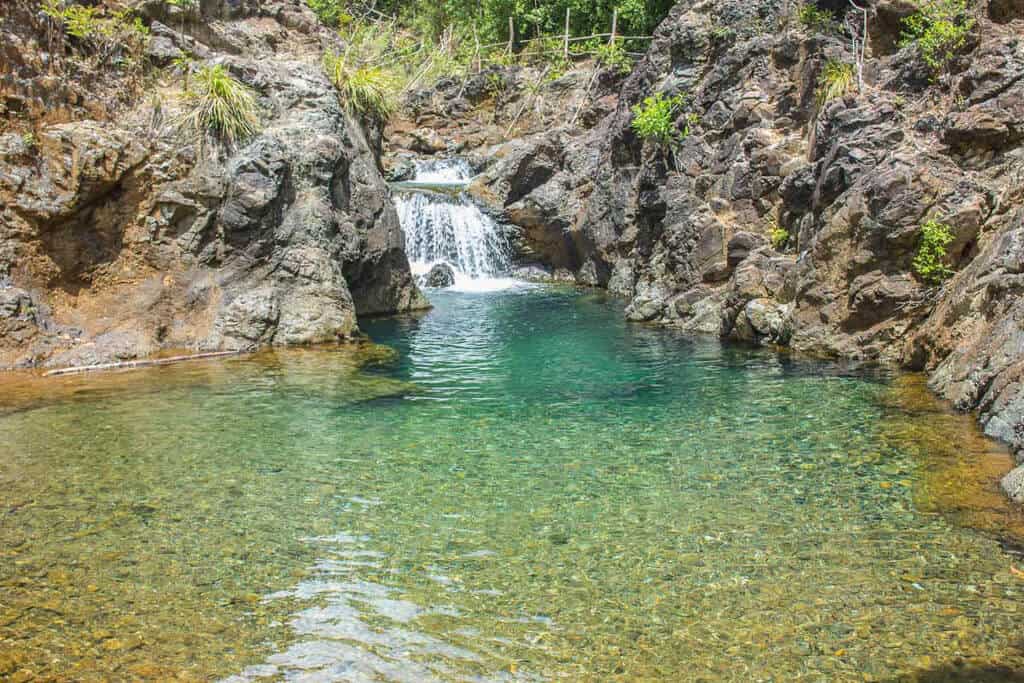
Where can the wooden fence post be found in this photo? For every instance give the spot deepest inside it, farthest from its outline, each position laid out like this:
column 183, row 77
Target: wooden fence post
column 565, row 51
column 511, row 33
column 615, row 26
column 479, row 57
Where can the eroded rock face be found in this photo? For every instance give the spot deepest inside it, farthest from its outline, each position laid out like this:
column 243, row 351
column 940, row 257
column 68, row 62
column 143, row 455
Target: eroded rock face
column 685, row 234
column 129, row 236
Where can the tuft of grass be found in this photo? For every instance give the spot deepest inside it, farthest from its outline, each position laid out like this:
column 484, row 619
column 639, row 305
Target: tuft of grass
column 365, row 90
column 933, row 252
column 836, row 80
column 939, row 29
column 219, row 106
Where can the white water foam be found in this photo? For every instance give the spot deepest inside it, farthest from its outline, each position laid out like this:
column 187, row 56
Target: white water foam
column 444, row 227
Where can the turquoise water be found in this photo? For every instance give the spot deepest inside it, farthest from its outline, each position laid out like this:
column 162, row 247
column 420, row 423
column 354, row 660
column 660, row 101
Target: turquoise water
column 530, row 489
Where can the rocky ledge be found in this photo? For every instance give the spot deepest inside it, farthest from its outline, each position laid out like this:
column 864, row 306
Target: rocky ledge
column 121, row 235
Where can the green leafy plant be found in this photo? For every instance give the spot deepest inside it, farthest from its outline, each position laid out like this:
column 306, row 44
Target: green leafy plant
column 930, row 263
column 496, row 84
column 365, row 90
column 939, row 29
column 811, row 18
column 79, row 21
column 779, row 237
column 613, row 56
column 30, row 141
column 655, row 119
column 836, row 80
column 722, row 34
column 330, row 12
column 220, row 106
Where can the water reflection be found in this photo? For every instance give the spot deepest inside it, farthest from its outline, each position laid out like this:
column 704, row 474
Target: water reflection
column 349, row 629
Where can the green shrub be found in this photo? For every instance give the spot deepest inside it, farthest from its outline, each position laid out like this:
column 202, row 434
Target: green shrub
column 119, row 37
column 365, row 90
column 939, row 29
column 818, row 20
column 79, row 21
column 932, row 253
column 330, row 12
column 835, row 81
column 219, row 106
column 655, row 119
column 31, row 142
column 496, row 84
column 779, row 237
column 613, row 56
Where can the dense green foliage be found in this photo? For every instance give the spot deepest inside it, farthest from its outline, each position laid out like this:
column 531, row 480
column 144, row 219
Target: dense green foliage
column 933, row 251
column 939, row 29
column 220, row 106
column 612, row 55
column 489, row 18
column 835, row 81
column 96, row 32
column 655, row 119
column 811, row 18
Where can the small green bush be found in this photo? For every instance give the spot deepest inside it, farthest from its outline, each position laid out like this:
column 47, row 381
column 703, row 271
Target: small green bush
column 79, row 21
column 330, row 12
column 220, row 106
column 835, row 81
column 655, row 119
column 365, row 90
column 779, row 237
column 932, row 253
column 939, row 29
column 817, row 20
column 613, row 56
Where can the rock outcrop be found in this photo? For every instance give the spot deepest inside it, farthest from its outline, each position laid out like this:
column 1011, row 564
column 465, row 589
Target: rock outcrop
column 122, row 235
column 844, row 187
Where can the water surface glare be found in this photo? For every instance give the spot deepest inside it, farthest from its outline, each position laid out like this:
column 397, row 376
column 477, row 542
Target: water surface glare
column 530, row 489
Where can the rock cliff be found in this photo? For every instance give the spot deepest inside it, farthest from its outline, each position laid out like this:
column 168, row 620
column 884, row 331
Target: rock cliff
column 122, row 235
column 686, row 235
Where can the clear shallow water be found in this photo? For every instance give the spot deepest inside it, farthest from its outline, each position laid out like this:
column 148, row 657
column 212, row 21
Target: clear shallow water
column 529, row 490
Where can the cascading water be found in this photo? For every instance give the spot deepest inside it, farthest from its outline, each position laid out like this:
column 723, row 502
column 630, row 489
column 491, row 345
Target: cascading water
column 443, row 225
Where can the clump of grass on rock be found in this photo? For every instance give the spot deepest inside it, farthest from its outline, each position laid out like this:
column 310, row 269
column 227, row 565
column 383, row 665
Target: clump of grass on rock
column 366, row 90
column 220, row 107
column 836, row 80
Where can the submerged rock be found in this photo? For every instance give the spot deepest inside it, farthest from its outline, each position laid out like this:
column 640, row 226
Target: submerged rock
column 440, row 276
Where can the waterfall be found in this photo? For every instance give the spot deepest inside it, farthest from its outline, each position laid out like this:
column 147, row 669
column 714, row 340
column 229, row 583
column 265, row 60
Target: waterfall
column 443, row 225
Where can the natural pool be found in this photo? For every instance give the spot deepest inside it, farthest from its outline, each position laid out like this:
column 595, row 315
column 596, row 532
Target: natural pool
column 530, row 490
